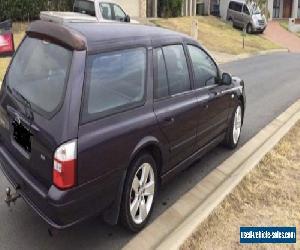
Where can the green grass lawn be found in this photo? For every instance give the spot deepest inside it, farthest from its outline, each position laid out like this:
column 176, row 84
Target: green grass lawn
column 218, row 36
column 285, row 24
column 19, row 32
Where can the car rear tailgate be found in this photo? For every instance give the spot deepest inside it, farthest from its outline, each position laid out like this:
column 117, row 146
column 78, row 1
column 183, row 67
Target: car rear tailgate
column 31, row 126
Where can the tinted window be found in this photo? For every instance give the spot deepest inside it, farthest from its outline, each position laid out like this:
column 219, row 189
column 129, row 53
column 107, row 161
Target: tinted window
column 105, row 11
column 85, row 7
column 246, row 10
column 205, row 70
column 235, row 6
column 239, row 7
column 161, row 88
column 114, row 80
column 40, row 76
column 177, row 69
column 119, row 13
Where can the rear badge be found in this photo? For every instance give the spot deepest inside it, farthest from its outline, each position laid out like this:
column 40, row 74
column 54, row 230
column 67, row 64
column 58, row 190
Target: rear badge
column 43, row 157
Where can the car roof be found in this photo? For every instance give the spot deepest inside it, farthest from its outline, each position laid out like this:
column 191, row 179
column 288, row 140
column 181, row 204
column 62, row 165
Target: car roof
column 238, row 1
column 93, row 36
column 116, row 30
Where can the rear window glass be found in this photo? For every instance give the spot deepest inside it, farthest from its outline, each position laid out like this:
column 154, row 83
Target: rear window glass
column 85, row 7
column 114, row 81
column 39, row 72
column 236, row 6
column 161, row 86
column 178, row 74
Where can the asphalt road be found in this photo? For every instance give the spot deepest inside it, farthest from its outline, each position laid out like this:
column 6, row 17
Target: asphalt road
column 272, row 85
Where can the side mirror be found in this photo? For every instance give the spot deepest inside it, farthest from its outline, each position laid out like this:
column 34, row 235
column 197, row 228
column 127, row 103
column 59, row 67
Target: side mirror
column 226, row 79
column 127, row 19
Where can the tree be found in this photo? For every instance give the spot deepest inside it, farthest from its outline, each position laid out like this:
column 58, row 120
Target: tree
column 23, row 10
column 170, row 8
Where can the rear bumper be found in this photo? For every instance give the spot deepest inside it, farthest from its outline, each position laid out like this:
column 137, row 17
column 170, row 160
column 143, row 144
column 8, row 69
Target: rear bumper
column 60, row 209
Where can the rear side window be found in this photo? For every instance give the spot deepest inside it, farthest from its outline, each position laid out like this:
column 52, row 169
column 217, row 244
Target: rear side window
column 115, row 81
column 161, row 88
column 178, row 74
column 85, row 7
column 106, row 11
column 235, row 6
column 39, row 72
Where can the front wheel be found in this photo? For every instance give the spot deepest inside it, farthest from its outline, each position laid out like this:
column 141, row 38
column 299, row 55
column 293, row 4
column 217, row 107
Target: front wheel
column 234, row 131
column 249, row 28
column 139, row 193
column 231, row 22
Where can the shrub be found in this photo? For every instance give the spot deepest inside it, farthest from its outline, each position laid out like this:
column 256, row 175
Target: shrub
column 170, row 8
column 23, row 10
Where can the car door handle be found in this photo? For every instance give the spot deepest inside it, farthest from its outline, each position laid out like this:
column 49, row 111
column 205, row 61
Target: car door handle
column 169, row 120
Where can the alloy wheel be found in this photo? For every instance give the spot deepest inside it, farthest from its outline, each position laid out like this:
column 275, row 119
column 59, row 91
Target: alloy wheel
column 237, row 125
column 142, row 193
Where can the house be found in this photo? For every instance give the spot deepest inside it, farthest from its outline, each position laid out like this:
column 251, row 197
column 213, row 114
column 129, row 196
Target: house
column 276, row 8
column 223, row 8
column 139, row 8
column 196, row 7
column 284, row 8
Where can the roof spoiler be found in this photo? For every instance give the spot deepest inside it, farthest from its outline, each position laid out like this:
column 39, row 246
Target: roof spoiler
column 59, row 33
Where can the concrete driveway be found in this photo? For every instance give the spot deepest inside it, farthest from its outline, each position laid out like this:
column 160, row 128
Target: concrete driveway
column 282, row 37
column 272, row 85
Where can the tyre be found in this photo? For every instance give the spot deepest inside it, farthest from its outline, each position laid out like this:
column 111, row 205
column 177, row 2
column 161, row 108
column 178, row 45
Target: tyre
column 231, row 22
column 249, row 28
column 139, row 193
column 234, row 131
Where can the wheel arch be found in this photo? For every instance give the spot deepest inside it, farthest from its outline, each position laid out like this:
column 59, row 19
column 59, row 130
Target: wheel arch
column 241, row 99
column 249, row 24
column 148, row 144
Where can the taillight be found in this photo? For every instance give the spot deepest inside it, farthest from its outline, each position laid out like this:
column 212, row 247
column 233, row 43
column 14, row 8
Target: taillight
column 64, row 168
column 7, row 43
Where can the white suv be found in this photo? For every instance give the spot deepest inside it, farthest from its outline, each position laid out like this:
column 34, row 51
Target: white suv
column 89, row 10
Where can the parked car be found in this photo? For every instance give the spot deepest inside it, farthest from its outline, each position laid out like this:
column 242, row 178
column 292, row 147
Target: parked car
column 106, row 10
column 7, row 46
column 89, row 10
column 67, row 17
column 246, row 16
column 102, row 114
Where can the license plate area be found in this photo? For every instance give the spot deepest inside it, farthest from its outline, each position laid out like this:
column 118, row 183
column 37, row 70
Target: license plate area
column 22, row 135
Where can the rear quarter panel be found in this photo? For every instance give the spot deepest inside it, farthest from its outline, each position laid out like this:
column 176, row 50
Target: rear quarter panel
column 106, row 146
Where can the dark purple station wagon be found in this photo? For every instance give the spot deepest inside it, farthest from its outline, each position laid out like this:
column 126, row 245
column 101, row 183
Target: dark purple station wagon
column 94, row 117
